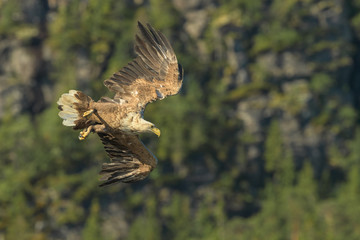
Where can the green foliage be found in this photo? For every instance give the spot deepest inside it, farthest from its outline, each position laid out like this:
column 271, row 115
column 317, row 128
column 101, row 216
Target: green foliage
column 249, row 89
column 7, row 20
column 178, row 216
column 165, row 9
column 321, row 82
column 273, row 148
column 92, row 230
column 353, row 159
column 293, row 99
column 147, row 226
column 284, row 38
column 240, row 12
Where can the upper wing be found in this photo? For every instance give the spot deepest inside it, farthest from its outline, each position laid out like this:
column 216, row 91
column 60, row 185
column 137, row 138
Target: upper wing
column 131, row 161
column 153, row 74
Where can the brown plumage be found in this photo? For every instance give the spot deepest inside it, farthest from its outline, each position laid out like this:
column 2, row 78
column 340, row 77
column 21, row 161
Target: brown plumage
column 152, row 75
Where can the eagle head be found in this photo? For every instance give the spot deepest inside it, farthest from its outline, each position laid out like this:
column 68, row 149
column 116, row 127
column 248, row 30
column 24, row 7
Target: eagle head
column 146, row 126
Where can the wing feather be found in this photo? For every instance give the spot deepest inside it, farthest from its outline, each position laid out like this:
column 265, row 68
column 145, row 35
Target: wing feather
column 131, row 161
column 155, row 70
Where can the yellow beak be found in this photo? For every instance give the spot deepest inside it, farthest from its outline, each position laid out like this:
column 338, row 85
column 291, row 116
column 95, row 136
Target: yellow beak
column 156, row 131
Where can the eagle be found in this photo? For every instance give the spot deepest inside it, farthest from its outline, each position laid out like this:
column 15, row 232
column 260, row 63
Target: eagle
column 154, row 74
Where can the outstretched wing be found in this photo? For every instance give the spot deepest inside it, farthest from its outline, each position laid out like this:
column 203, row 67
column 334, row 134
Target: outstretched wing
column 153, row 74
column 131, row 161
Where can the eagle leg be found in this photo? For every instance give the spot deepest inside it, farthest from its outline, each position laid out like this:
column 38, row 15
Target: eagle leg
column 84, row 133
column 101, row 119
column 88, row 113
column 99, row 128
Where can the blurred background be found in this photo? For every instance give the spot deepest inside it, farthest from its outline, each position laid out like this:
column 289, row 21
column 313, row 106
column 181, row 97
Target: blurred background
column 263, row 142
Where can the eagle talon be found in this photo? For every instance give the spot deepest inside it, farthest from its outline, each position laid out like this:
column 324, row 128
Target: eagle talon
column 88, row 113
column 84, row 133
column 81, row 136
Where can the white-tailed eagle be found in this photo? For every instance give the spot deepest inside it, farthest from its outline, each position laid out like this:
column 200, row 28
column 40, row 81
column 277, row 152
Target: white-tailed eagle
column 154, row 74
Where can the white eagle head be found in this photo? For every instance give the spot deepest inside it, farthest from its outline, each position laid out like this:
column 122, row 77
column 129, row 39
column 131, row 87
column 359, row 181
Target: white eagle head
column 144, row 126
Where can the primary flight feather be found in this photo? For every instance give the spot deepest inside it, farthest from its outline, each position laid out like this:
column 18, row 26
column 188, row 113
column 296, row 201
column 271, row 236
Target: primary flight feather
column 154, row 74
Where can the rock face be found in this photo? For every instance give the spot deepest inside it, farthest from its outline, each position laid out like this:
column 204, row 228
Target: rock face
column 297, row 78
column 292, row 73
column 23, row 72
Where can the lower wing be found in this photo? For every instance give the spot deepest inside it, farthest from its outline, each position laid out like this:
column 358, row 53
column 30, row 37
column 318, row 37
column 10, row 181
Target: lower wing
column 130, row 162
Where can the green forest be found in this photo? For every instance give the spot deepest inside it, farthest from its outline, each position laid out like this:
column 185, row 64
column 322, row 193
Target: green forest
column 262, row 142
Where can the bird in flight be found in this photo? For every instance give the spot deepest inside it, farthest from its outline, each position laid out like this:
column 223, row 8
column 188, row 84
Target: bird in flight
column 154, row 74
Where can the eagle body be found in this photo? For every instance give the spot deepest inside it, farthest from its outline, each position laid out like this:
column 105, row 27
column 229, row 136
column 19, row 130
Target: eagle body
column 120, row 117
column 153, row 75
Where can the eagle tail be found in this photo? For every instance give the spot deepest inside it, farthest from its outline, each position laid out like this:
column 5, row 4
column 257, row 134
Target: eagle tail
column 72, row 107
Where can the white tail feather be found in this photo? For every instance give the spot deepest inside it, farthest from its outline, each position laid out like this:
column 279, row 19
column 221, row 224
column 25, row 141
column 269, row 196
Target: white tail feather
column 68, row 112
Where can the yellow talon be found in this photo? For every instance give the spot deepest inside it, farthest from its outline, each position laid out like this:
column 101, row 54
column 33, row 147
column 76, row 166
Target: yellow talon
column 84, row 133
column 81, row 136
column 88, row 113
